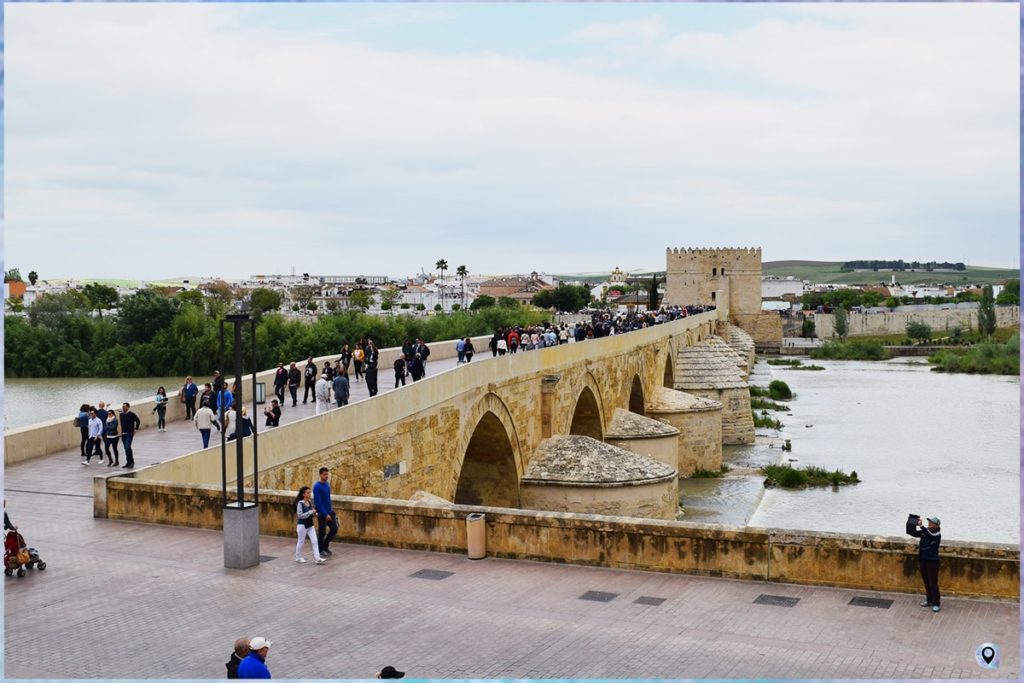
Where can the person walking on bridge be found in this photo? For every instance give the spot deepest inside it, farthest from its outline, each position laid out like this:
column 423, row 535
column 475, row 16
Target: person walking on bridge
column 129, row 423
column 928, row 556
column 370, row 372
column 280, row 381
column 294, row 377
column 328, row 521
column 310, row 373
column 189, row 392
column 322, row 394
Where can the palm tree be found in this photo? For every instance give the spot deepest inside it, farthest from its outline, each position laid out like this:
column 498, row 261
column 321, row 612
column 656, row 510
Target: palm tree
column 442, row 266
column 462, row 272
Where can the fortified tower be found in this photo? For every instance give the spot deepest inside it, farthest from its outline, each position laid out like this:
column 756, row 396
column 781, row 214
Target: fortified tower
column 726, row 278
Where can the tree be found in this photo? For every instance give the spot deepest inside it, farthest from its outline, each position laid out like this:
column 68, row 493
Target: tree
column 987, row 312
column 53, row 310
column 652, row 294
column 262, row 300
column 361, row 280
column 807, row 327
column 332, row 305
column 438, row 308
column 33, row 277
column 462, row 273
column 482, row 301
column 840, row 322
column 141, row 316
column 891, row 303
column 389, row 298
column 507, row 302
column 870, row 299
column 1009, row 296
column 193, row 297
column 303, row 296
column 919, row 330
column 101, row 297
column 15, row 304
column 12, row 275
column 361, row 299
column 442, row 266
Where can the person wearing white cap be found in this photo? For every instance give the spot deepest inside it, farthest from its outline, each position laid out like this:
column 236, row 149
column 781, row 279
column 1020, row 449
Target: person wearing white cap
column 254, row 665
column 928, row 555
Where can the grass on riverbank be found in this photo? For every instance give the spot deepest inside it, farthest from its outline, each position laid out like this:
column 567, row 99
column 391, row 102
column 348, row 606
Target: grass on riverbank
column 763, row 419
column 793, row 364
column 990, row 358
column 758, row 403
column 784, row 476
column 701, row 473
column 851, row 349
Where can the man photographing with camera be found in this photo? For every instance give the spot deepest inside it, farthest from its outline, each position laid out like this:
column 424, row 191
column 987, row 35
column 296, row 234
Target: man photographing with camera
column 928, row 554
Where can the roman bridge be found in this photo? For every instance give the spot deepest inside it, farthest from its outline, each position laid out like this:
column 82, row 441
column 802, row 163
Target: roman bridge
column 465, row 435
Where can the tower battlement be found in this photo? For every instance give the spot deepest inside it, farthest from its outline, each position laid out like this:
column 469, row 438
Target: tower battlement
column 723, row 276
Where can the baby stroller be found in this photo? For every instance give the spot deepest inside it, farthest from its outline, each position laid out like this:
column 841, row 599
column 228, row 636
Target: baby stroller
column 18, row 557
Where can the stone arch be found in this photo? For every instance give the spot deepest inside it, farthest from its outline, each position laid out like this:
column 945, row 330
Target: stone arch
column 636, row 397
column 588, row 413
column 491, row 462
column 669, row 378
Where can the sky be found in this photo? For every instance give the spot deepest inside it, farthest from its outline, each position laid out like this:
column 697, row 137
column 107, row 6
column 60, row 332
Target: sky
column 160, row 140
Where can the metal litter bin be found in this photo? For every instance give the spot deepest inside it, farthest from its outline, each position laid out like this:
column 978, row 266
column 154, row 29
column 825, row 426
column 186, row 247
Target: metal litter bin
column 476, row 527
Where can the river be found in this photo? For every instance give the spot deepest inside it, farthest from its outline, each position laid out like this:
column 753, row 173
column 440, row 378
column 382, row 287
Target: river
column 28, row 401
column 922, row 442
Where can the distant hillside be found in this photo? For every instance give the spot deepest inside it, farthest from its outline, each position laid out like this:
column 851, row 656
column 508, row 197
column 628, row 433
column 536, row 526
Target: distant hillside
column 828, row 272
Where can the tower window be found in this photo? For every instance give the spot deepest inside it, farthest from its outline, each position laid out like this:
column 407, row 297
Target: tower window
column 714, row 271
column 713, row 296
column 723, row 270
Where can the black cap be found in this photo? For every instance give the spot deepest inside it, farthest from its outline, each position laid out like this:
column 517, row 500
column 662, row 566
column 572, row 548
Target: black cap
column 390, row 672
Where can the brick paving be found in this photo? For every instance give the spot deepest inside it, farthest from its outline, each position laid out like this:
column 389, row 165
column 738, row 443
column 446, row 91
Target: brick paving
column 129, row 600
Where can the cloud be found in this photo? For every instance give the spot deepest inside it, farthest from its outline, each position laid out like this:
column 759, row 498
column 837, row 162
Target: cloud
column 194, row 121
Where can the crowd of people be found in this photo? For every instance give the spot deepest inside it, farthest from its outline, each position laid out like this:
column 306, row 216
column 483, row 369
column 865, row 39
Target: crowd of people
column 249, row 660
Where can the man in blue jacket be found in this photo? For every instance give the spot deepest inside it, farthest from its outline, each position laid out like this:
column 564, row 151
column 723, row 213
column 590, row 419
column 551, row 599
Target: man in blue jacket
column 324, row 512
column 928, row 555
column 255, row 665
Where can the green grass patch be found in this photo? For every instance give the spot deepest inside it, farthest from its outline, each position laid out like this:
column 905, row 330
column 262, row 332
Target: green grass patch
column 851, row 349
column 807, row 367
column 701, row 473
column 758, row 403
column 763, row 419
column 786, row 477
column 791, row 362
column 989, row 358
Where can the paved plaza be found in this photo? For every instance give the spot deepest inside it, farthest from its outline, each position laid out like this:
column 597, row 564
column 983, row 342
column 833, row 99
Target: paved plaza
column 129, row 600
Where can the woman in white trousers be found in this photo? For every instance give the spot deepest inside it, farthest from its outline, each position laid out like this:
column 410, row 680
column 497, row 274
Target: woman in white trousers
column 305, row 512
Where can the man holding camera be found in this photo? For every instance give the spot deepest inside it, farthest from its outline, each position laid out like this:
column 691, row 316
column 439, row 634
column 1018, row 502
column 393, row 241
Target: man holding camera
column 928, row 554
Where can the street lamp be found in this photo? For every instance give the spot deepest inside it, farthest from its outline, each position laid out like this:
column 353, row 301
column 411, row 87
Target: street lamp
column 241, row 518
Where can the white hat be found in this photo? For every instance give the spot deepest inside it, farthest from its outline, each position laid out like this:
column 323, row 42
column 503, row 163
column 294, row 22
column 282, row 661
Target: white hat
column 258, row 643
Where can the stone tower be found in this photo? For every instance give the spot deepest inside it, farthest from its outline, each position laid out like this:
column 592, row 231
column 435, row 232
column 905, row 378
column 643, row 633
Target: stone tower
column 727, row 278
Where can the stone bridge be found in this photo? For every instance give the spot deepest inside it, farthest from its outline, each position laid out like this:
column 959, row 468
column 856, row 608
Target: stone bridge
column 467, row 435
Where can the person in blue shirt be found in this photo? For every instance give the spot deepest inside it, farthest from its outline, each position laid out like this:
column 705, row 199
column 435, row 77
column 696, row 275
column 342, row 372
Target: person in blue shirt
column 190, row 391
column 327, row 529
column 255, row 663
column 225, row 399
column 928, row 555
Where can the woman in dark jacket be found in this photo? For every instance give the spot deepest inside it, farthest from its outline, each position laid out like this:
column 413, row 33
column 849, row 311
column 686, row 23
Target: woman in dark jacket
column 83, row 425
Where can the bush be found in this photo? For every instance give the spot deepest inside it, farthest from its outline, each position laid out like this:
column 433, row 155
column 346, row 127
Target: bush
column 854, row 349
column 765, row 420
column 758, row 403
column 988, row 358
column 779, row 390
column 793, row 478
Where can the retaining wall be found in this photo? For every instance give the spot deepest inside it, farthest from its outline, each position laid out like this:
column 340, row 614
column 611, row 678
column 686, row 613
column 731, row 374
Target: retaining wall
column 895, row 322
column 985, row 570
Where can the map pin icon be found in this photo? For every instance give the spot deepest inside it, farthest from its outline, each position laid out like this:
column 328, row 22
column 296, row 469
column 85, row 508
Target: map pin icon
column 988, row 654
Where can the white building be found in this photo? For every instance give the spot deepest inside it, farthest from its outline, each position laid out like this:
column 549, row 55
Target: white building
column 776, row 288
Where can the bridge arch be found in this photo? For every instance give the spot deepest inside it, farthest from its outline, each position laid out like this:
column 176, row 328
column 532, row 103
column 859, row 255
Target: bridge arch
column 636, row 396
column 588, row 413
column 491, row 462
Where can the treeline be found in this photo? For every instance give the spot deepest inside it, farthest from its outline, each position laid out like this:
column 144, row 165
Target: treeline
column 989, row 358
column 901, row 265
column 156, row 335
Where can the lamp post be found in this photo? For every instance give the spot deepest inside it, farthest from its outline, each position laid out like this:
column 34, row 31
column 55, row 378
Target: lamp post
column 241, row 518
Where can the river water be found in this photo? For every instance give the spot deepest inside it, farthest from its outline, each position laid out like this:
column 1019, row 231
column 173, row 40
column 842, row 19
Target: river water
column 933, row 444
column 28, row 401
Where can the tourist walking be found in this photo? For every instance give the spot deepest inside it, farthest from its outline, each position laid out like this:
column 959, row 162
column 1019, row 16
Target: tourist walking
column 206, row 398
column 341, row 389
column 188, row 394
column 416, row 368
column 424, row 352
column 928, row 557
column 240, row 652
column 493, row 344
column 345, row 359
column 205, row 421
column 255, row 663
column 245, row 424
column 502, row 346
column 460, row 351
column 294, row 377
column 327, row 527
column 160, row 409
column 82, row 422
column 230, row 422
column 225, row 400
column 469, row 350
column 280, row 381
column 322, row 395
column 370, row 372
column 111, row 433
column 328, row 370
column 400, row 371
column 512, row 341
column 305, row 512
column 129, row 423
column 273, row 414
column 357, row 359
column 101, row 413
column 92, row 447
column 310, row 374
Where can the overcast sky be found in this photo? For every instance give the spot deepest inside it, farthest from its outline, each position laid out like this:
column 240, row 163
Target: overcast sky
column 159, row 140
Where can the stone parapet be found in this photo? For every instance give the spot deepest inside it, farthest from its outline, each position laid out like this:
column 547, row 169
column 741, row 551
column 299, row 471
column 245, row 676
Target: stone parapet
column 895, row 322
column 979, row 570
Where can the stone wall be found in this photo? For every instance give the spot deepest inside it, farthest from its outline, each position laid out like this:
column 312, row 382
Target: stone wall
column 765, row 328
column 895, row 322
column 984, row 570
column 700, row 442
column 57, row 435
column 737, row 419
column 693, row 275
column 656, row 500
